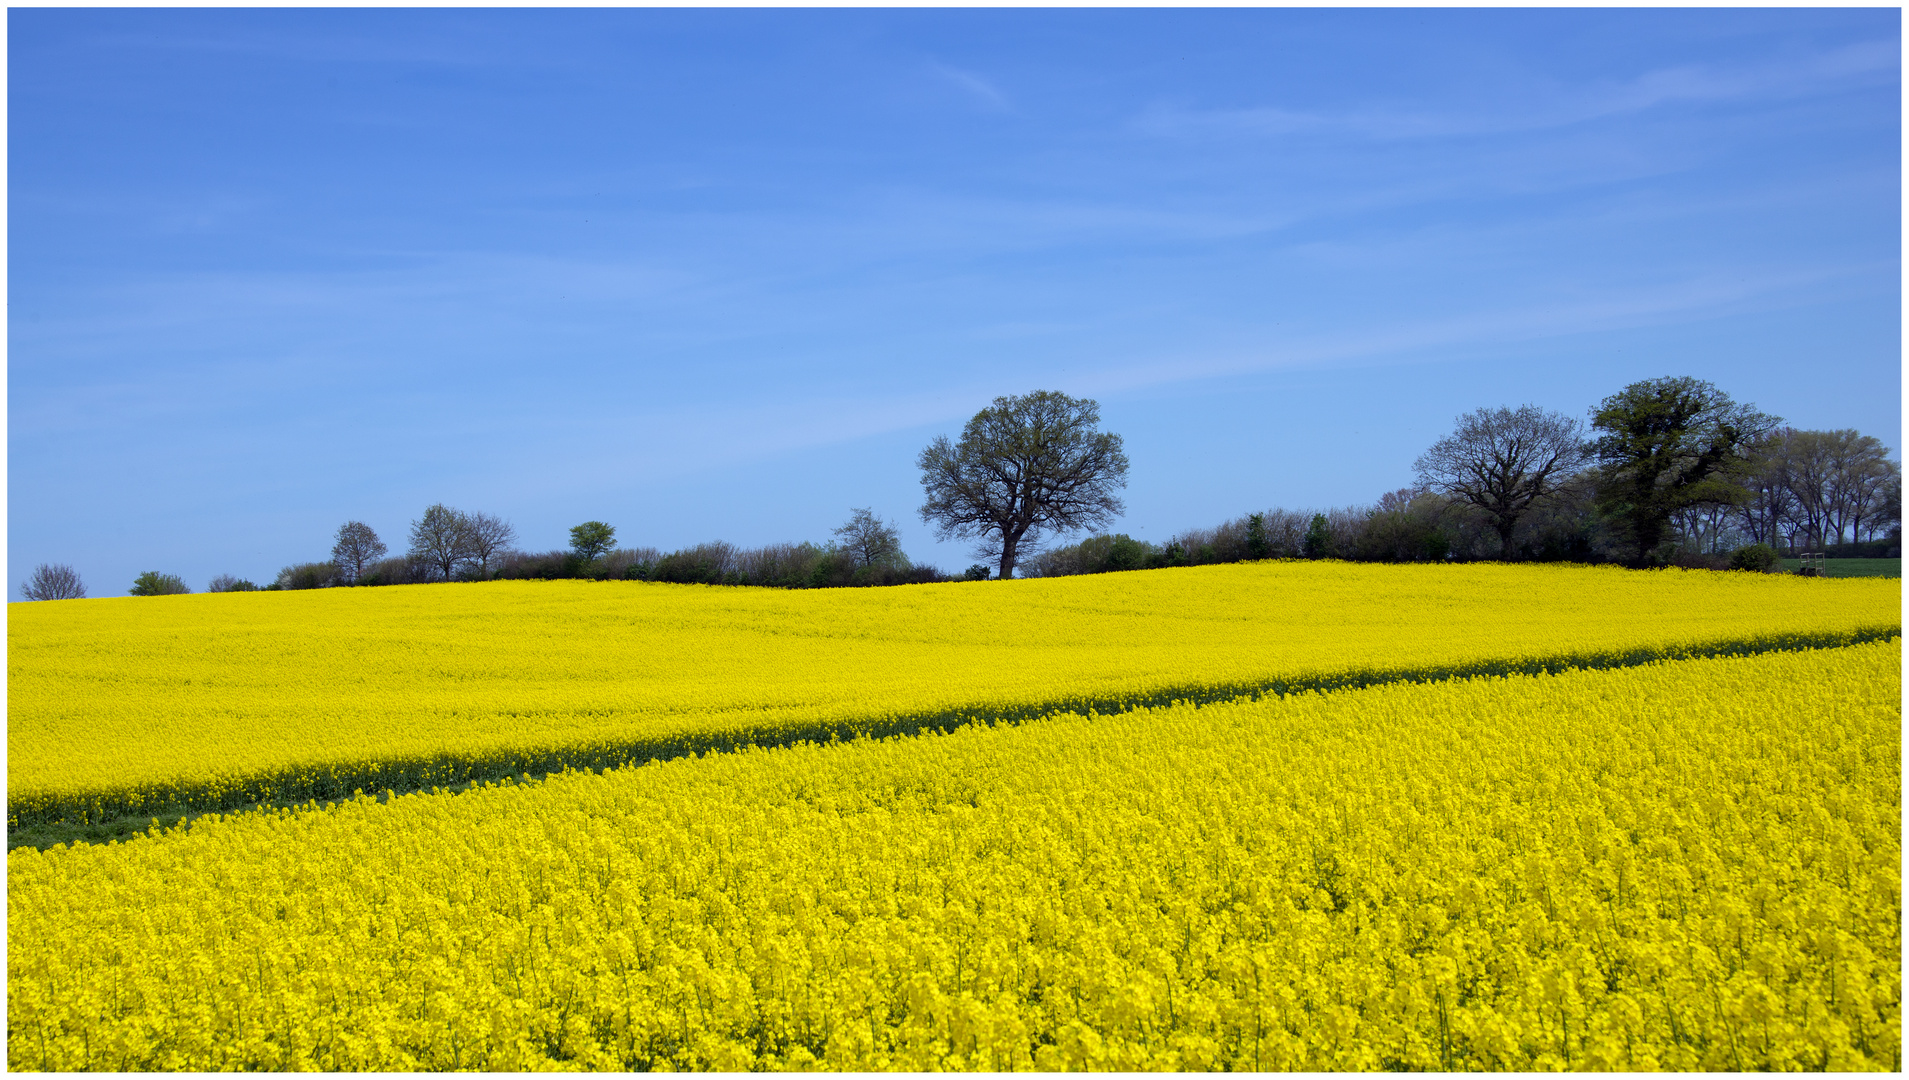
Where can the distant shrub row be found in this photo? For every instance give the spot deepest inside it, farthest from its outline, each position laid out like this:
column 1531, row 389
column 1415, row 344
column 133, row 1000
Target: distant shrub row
column 1403, row 526
column 445, row 547
column 787, row 566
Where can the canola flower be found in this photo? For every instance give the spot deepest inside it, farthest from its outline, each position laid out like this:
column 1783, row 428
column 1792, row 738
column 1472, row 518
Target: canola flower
column 215, row 701
column 1686, row 865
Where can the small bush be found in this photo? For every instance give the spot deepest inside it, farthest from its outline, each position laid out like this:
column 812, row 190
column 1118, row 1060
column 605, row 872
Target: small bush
column 228, row 583
column 1696, row 560
column 1095, row 555
column 154, row 583
column 544, row 566
column 401, row 570
column 704, row 564
column 1760, row 558
column 977, row 572
column 314, row 575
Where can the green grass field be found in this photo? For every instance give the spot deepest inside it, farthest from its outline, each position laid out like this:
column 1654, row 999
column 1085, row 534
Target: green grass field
column 1854, row 567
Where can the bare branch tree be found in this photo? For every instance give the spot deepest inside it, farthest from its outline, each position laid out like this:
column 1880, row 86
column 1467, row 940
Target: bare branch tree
column 1884, row 518
column 871, row 541
column 1860, row 475
column 356, row 547
column 1768, row 506
column 441, row 540
column 1025, row 466
column 489, row 537
column 1808, row 467
column 1503, row 460
column 55, row 581
column 1820, row 486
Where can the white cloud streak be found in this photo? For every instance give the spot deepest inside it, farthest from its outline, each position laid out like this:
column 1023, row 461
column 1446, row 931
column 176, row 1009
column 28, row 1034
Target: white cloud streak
column 975, row 86
column 1862, row 63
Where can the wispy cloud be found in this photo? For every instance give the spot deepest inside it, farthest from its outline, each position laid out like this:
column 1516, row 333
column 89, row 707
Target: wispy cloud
column 975, row 86
column 1406, row 341
column 685, row 440
column 1859, row 64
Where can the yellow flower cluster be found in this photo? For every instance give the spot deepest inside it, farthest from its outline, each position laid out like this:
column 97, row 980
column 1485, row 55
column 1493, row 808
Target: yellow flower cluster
column 1686, row 865
column 221, row 700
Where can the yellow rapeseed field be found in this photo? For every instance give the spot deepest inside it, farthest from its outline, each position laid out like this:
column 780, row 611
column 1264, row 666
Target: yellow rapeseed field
column 126, row 705
column 1686, row 865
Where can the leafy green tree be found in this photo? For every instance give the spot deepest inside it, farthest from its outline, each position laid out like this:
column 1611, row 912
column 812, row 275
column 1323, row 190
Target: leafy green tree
column 1668, row 444
column 1024, row 466
column 1258, row 545
column 154, row 583
column 1318, row 543
column 591, row 539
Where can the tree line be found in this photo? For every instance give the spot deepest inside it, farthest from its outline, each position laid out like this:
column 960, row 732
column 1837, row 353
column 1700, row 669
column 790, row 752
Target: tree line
column 447, row 544
column 1669, row 471
column 450, row 545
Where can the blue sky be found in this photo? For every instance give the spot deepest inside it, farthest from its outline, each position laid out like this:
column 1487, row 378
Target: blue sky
column 722, row 274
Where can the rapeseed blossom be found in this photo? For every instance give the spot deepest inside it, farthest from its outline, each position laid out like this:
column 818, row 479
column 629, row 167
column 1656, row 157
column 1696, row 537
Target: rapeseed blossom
column 1692, row 864
column 215, row 701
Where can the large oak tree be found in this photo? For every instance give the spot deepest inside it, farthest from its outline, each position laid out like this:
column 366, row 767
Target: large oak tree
column 1668, row 444
column 1025, row 466
column 1503, row 460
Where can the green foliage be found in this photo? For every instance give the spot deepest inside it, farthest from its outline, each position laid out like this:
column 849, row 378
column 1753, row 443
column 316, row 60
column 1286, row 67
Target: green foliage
column 154, row 583
column 1404, row 527
column 229, row 583
column 398, row 570
column 1026, row 466
column 977, row 572
column 543, row 566
column 782, row 566
column 1123, row 552
column 1318, row 543
column 1668, row 444
column 1258, row 546
column 1758, row 557
column 704, row 564
column 1834, row 567
column 316, row 575
column 591, row 539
